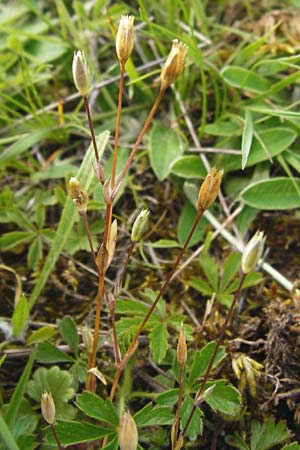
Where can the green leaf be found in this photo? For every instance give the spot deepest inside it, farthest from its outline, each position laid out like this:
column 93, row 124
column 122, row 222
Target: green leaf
column 237, row 442
column 168, row 398
column 195, row 427
column 20, row 316
column 159, row 342
column 230, row 269
column 57, row 382
column 41, row 335
column 275, row 194
column 7, row 436
column 201, row 361
column 112, row 445
column 186, row 220
column 267, row 435
column 202, row 286
column 292, row 446
column 165, row 149
column 85, row 175
column 70, row 432
column 189, row 167
column 131, row 307
column 21, row 145
column 14, row 238
column 68, row 330
column 48, row 353
column 35, row 253
column 210, row 269
column 245, row 79
column 163, row 243
column 247, row 138
column 224, row 398
column 151, row 416
column 275, row 140
column 17, row 397
column 98, row 408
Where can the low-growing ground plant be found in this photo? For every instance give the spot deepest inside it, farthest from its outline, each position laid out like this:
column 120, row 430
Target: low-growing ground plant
column 135, row 367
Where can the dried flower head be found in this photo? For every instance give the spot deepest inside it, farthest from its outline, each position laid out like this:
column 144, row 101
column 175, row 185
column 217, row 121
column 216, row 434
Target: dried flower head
column 125, row 38
column 48, row 408
column 140, row 226
column 81, row 73
column 253, row 251
column 79, row 196
column 209, row 189
column 174, row 64
column 127, row 433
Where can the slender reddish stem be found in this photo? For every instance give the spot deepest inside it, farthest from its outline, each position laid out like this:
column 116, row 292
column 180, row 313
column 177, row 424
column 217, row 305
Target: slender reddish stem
column 116, row 141
column 88, row 113
column 55, row 437
column 212, row 359
column 162, row 290
column 137, row 143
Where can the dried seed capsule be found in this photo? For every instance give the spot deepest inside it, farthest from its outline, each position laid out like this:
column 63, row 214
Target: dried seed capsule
column 127, row 433
column 48, row 408
column 79, row 196
column 87, row 339
column 209, row 189
column 174, row 64
column 125, row 38
column 81, row 73
column 181, row 347
column 140, row 226
column 253, row 251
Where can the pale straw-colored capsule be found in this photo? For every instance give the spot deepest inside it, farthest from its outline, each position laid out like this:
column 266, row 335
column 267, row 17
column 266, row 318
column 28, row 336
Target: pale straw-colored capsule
column 140, row 226
column 125, row 38
column 181, row 347
column 253, row 251
column 127, row 432
column 78, row 195
column 87, row 339
column 81, row 73
column 174, row 64
column 209, row 189
column 48, row 408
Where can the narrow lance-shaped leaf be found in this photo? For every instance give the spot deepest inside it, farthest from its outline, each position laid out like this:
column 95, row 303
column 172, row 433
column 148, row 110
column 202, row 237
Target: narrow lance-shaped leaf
column 247, row 138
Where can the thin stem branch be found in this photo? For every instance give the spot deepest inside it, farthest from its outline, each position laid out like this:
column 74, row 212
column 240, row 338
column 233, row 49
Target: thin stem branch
column 88, row 233
column 212, row 359
column 177, row 417
column 137, row 143
column 88, row 113
column 162, row 290
column 116, row 141
column 55, row 436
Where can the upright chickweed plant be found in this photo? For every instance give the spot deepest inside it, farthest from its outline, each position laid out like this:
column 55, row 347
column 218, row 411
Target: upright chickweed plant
column 121, row 429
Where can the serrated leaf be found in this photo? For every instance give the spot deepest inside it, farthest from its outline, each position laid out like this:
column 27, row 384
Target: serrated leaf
column 274, row 194
column 168, row 398
column 70, row 433
column 165, row 149
column 247, row 138
column 68, row 330
column 267, row 435
column 20, row 317
column 159, row 342
column 224, row 398
column 151, row 416
column 202, row 286
column 202, row 360
column 98, row 408
column 57, row 382
column 41, row 335
column 196, row 426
